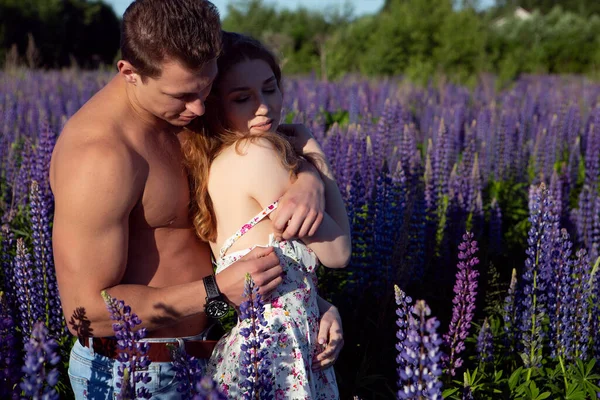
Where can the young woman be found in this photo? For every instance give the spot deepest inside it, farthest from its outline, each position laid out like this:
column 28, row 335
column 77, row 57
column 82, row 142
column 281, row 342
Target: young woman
column 248, row 166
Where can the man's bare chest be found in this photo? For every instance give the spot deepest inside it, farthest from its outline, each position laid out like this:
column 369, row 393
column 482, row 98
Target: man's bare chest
column 166, row 196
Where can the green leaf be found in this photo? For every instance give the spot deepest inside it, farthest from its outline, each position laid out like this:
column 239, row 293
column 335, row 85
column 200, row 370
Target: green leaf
column 514, row 378
column 449, row 392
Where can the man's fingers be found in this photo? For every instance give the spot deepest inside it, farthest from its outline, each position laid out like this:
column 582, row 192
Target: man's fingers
column 266, row 290
column 307, row 224
column 293, row 226
column 258, row 252
column 281, row 219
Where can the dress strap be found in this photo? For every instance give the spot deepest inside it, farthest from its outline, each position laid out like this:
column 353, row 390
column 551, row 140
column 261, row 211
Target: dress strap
column 245, row 228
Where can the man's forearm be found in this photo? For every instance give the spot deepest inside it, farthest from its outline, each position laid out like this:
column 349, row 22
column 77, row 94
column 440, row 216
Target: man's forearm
column 156, row 307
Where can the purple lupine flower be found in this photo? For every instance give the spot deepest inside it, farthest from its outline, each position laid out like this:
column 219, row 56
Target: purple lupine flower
column 7, row 243
column 465, row 290
column 10, row 372
column 44, row 260
column 559, row 297
column 581, row 293
column 509, row 314
column 257, row 377
column 206, row 389
column 40, row 378
column 403, row 302
column 421, row 356
column 467, row 393
column 132, row 352
column 495, row 227
column 29, row 291
column 485, row 343
column 532, row 305
column 188, row 372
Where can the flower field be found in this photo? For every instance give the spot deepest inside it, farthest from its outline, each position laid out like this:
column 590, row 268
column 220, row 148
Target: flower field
column 480, row 204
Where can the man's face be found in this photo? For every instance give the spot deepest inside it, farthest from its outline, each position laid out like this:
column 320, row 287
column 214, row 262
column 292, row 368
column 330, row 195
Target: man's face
column 178, row 95
column 250, row 97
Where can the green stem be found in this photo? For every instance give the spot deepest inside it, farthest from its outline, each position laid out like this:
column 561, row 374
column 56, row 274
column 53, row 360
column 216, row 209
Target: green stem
column 562, row 367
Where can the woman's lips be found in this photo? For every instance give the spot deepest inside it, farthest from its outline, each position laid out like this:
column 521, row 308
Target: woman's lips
column 265, row 126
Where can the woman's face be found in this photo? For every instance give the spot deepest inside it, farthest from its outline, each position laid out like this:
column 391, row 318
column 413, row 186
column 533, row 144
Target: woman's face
column 250, row 97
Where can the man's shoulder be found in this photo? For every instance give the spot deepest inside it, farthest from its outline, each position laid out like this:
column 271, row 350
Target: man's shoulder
column 84, row 151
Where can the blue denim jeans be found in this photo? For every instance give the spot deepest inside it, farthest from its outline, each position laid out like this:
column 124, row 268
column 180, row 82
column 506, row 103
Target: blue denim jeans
column 94, row 376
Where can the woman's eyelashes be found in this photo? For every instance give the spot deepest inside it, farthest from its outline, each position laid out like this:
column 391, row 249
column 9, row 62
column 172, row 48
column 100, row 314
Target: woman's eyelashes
column 244, row 98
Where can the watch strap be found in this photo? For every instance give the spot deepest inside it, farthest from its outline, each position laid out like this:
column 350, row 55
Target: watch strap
column 210, row 285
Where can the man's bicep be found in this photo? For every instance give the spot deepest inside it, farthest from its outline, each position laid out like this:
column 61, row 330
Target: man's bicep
column 90, row 233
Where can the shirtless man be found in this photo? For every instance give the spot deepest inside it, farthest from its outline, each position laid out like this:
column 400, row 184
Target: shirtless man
column 122, row 198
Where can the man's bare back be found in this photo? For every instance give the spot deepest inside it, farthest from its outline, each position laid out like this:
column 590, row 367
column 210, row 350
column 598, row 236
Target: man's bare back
column 163, row 249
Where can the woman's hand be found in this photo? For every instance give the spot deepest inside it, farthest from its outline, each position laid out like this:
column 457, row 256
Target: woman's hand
column 330, row 337
column 300, row 210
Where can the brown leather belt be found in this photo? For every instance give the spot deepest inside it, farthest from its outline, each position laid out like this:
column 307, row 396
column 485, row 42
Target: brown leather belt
column 158, row 352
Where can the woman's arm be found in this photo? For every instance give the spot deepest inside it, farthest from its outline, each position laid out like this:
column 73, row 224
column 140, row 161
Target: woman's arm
column 267, row 180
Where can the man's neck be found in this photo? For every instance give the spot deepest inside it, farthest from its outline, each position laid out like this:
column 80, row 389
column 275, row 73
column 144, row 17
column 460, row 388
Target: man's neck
column 146, row 119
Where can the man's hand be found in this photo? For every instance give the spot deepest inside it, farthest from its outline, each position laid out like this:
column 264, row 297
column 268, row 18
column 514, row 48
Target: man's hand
column 300, row 210
column 262, row 264
column 297, row 134
column 330, row 337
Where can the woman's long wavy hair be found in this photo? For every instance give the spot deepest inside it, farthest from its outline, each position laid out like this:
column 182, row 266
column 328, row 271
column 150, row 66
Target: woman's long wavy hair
column 210, row 133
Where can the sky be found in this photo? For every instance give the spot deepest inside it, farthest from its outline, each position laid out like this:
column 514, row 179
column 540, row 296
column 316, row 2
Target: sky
column 360, row 6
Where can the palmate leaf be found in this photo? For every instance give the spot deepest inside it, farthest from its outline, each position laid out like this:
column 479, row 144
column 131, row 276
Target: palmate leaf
column 582, row 375
column 575, row 393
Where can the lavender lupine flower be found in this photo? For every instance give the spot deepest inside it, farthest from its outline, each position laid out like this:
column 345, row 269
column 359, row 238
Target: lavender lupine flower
column 23, row 177
column 44, row 260
column 465, row 290
column 509, row 314
column 6, row 266
column 40, row 378
column 560, row 298
column 188, row 372
column 532, row 305
column 467, row 393
column 132, row 352
column 416, row 253
column 29, row 291
column 581, row 293
column 485, row 343
column 383, row 231
column 10, row 372
column 257, row 378
column 206, row 389
column 421, row 356
column 495, row 227
column 403, row 302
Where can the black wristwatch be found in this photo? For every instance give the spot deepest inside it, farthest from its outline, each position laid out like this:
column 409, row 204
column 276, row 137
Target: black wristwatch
column 216, row 306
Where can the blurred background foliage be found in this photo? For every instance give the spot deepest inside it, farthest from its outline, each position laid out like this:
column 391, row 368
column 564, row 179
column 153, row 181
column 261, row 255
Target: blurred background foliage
column 458, row 39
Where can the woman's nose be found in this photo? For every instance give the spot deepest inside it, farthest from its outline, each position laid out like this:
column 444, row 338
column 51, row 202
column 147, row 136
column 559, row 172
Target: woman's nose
column 263, row 107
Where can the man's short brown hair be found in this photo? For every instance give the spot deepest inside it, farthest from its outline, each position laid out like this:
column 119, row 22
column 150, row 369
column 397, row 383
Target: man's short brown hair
column 188, row 31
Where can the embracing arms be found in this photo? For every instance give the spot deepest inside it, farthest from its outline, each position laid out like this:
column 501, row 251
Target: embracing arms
column 96, row 187
column 331, row 241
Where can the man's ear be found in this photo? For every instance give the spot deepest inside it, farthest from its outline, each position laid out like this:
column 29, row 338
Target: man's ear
column 128, row 72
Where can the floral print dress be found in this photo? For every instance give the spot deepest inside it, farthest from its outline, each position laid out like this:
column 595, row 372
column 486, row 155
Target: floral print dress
column 292, row 317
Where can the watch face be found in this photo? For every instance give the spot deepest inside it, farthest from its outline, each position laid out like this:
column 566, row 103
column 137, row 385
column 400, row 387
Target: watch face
column 217, row 309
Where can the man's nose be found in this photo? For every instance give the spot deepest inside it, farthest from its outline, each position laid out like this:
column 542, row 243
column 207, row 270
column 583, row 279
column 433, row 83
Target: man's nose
column 196, row 107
